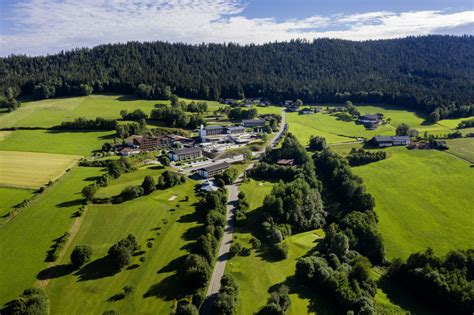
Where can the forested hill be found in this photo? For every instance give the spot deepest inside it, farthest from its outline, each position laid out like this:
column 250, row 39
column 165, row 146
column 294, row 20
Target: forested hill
column 427, row 72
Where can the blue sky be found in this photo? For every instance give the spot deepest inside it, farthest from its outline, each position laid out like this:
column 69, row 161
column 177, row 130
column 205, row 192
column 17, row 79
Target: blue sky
column 35, row 27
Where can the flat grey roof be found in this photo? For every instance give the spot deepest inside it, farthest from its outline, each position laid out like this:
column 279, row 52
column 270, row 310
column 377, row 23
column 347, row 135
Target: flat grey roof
column 215, row 167
column 214, row 127
column 186, row 150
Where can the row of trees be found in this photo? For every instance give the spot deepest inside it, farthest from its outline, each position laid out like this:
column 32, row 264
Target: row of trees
column 31, row 301
column 197, row 270
column 359, row 157
column 176, row 118
column 430, row 73
column 466, row 124
column 227, row 298
column 238, row 113
column 82, row 123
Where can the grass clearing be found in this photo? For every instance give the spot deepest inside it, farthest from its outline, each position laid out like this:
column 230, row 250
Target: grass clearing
column 170, row 223
column 422, row 199
column 32, row 170
column 25, row 240
column 68, row 142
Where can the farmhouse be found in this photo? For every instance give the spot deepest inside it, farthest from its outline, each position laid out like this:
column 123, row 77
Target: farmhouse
column 383, row 141
column 133, row 140
column 127, row 151
column 413, row 133
column 213, row 170
column 185, row 154
column 285, row 162
column 306, row 111
column 251, row 123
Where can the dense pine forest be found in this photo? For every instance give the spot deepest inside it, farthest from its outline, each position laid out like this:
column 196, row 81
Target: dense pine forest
column 431, row 73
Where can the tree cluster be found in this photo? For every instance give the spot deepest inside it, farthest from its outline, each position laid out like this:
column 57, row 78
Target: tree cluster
column 120, row 254
column 176, row 118
column 238, row 113
column 170, row 179
column 278, row 303
column 446, row 283
column 80, row 255
column 227, row 298
column 241, row 208
column 466, row 124
column 359, row 157
column 317, row 143
column 137, row 114
column 226, row 178
column 31, row 301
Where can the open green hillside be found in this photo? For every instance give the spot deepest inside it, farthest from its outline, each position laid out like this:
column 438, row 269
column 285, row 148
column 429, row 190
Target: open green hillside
column 423, row 199
column 25, row 240
column 164, row 218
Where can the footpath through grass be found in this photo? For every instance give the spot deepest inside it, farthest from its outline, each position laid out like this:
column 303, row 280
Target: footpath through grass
column 25, row 240
column 462, row 147
column 423, row 199
column 163, row 217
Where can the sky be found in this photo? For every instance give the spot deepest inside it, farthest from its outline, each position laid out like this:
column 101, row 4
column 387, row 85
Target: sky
column 38, row 27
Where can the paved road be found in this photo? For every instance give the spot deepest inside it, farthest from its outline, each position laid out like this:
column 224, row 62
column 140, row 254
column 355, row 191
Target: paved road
column 219, row 267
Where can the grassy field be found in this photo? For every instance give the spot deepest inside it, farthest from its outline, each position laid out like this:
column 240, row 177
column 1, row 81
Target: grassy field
column 25, row 240
column 163, row 216
column 463, row 147
column 11, row 197
column 422, row 199
column 32, row 170
column 51, row 112
column 76, row 143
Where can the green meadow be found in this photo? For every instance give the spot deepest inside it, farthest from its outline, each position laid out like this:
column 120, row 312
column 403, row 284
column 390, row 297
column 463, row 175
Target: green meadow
column 163, row 217
column 422, row 199
column 25, row 240
column 51, row 112
column 67, row 142
column 11, row 197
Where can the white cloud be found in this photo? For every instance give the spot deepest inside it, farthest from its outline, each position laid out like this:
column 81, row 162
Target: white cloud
column 47, row 26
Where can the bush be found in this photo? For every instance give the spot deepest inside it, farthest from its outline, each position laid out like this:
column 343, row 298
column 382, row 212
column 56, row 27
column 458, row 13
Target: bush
column 186, row 309
column 279, row 251
column 235, row 249
column 80, row 255
column 317, row 143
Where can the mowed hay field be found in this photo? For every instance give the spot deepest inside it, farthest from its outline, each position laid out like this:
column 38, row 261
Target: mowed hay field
column 170, row 224
column 423, row 199
column 60, row 142
column 25, row 240
column 32, row 170
column 254, row 274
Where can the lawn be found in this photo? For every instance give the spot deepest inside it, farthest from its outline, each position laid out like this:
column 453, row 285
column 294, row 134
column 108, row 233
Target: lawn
column 423, row 199
column 164, row 216
column 25, row 240
column 463, row 147
column 11, row 197
column 254, row 274
column 32, row 170
column 51, row 112
column 76, row 143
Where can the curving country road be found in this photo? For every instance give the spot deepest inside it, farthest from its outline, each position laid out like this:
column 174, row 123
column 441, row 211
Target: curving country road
column 233, row 192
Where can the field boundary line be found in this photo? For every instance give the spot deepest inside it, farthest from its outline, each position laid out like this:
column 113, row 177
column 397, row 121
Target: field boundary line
column 460, row 157
column 73, row 230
